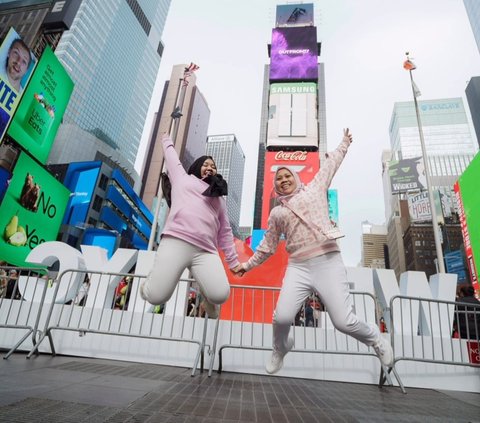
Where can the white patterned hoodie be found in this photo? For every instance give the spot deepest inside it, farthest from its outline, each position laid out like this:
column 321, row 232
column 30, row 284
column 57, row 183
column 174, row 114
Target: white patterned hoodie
column 302, row 217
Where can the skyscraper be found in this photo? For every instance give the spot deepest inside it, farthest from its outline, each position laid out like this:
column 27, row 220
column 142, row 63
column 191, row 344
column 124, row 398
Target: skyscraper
column 473, row 12
column 112, row 52
column 230, row 161
column 190, row 130
column 473, row 98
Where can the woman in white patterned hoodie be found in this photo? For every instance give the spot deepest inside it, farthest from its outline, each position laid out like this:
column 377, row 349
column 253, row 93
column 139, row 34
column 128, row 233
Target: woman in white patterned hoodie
column 315, row 264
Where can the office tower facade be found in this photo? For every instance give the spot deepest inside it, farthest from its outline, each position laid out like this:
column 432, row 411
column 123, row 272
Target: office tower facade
column 112, row 51
column 473, row 98
column 189, row 131
column 374, row 242
column 230, row 160
column 473, row 11
column 293, row 119
column 450, row 148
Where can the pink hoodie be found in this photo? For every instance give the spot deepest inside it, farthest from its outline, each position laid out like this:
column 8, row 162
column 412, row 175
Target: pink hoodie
column 305, row 218
column 195, row 218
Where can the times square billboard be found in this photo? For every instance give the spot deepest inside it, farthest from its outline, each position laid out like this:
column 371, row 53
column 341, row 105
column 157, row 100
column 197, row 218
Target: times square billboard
column 306, row 164
column 300, row 14
column 467, row 192
column 292, row 116
column 294, row 54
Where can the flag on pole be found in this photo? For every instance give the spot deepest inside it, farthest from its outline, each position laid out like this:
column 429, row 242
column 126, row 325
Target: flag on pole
column 416, row 91
column 188, row 71
column 409, row 65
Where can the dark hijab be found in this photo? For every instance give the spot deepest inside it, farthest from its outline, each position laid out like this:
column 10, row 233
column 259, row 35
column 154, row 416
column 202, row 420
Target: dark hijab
column 217, row 185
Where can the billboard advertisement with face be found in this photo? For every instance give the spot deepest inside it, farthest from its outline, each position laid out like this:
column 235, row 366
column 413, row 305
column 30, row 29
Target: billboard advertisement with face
column 16, row 65
column 31, row 211
column 468, row 200
column 41, row 109
column 292, row 115
column 294, row 54
column 304, row 163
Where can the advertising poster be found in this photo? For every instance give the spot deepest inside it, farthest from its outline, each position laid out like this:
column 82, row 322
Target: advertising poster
column 407, row 175
column 304, row 163
column 292, row 115
column 31, row 211
column 16, row 65
column 43, row 104
column 294, row 54
column 467, row 191
column 294, row 14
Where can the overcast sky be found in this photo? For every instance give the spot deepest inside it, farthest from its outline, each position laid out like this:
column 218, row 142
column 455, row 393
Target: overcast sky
column 363, row 48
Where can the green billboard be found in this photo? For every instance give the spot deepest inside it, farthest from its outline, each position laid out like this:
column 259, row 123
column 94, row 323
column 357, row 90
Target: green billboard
column 467, row 191
column 31, row 211
column 42, row 106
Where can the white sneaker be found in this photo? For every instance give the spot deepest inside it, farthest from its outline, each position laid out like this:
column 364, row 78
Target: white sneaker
column 384, row 351
column 276, row 360
column 210, row 309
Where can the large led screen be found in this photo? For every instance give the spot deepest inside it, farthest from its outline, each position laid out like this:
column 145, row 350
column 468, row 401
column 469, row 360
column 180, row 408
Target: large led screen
column 294, row 54
column 294, row 15
column 304, row 163
column 41, row 108
column 31, row 211
column 16, row 65
column 292, row 115
column 467, row 191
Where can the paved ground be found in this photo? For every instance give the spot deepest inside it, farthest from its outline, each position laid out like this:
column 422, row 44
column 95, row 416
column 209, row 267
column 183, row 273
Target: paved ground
column 72, row 389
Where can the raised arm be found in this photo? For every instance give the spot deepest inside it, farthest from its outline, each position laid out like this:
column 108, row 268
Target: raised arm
column 334, row 159
column 172, row 162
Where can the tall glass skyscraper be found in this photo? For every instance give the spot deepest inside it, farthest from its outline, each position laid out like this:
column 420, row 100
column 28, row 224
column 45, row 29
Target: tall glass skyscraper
column 473, row 12
column 230, row 161
column 112, row 52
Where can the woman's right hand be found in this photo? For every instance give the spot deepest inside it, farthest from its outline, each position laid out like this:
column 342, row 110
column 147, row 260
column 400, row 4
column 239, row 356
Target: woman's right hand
column 347, row 134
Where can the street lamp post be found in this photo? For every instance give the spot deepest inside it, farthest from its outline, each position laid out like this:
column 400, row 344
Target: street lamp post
column 173, row 130
column 410, row 66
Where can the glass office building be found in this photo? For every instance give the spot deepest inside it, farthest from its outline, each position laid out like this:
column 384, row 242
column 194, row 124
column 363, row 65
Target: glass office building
column 230, row 160
column 473, row 12
column 112, row 52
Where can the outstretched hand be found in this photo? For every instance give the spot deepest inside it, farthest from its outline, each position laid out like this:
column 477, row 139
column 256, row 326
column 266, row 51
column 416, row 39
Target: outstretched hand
column 238, row 270
column 347, row 134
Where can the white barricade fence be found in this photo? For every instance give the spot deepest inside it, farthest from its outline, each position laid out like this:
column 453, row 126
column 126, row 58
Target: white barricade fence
column 19, row 316
column 81, row 319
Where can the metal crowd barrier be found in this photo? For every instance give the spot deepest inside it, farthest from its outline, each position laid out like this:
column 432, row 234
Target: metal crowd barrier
column 15, row 312
column 85, row 302
column 249, row 317
column 435, row 331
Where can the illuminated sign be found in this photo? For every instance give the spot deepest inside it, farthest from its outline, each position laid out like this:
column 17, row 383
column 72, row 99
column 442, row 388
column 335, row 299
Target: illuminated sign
column 42, row 106
column 292, row 115
column 16, row 65
column 468, row 200
column 31, row 211
column 294, row 54
column 304, row 163
column 294, row 15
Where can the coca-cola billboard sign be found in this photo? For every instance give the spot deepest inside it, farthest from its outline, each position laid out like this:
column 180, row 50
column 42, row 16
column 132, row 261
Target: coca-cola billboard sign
column 306, row 164
column 291, row 155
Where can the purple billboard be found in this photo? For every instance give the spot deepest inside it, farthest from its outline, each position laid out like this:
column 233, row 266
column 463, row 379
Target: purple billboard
column 294, row 54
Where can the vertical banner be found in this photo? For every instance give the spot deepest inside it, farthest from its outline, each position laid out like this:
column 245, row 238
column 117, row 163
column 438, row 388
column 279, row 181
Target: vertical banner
column 41, row 109
column 468, row 201
column 16, row 65
column 31, row 211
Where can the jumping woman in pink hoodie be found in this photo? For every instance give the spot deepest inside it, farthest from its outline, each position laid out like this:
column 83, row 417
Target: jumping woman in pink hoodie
column 315, row 264
column 196, row 227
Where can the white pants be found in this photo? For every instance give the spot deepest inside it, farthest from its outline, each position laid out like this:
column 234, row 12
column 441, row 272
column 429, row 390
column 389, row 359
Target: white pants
column 172, row 258
column 327, row 277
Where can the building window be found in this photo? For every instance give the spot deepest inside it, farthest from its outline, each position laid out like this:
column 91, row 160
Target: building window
column 103, row 182
column 97, row 203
